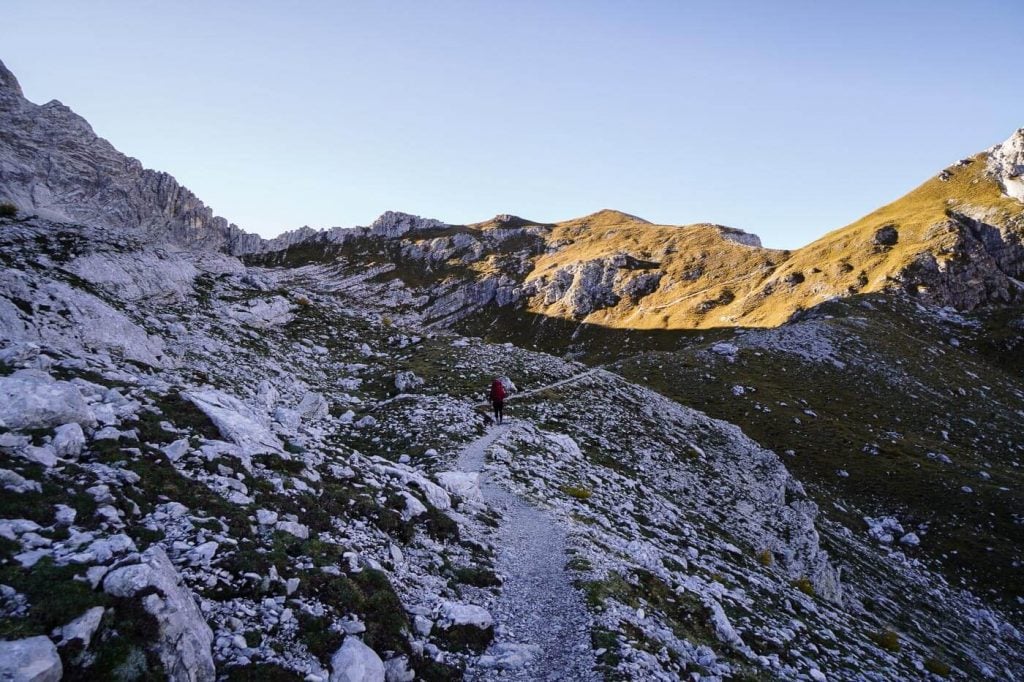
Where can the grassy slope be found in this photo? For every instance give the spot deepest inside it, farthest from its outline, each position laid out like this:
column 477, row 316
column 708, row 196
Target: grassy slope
column 766, row 286
column 877, row 419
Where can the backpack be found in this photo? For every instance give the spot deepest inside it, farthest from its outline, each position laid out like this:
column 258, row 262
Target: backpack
column 497, row 390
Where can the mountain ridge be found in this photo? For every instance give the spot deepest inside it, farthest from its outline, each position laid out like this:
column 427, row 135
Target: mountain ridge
column 283, row 466
column 725, row 287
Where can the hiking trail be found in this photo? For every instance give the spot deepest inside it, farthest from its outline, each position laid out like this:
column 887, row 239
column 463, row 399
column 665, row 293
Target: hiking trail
column 542, row 627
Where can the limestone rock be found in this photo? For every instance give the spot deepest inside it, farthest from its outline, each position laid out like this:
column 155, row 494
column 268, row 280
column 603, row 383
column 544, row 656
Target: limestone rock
column 68, row 440
column 235, row 420
column 56, row 166
column 34, row 659
column 356, row 662
column 407, row 381
column 1006, row 163
column 464, row 484
column 31, row 399
column 83, row 627
column 184, row 643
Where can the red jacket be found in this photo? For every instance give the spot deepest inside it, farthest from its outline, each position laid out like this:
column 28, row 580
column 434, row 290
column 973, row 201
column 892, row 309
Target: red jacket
column 497, row 391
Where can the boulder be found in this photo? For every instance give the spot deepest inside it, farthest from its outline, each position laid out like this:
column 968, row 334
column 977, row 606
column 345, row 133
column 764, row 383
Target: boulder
column 32, row 399
column 30, row 660
column 407, row 381
column 397, row 670
column 313, row 406
column 19, row 354
column 235, row 420
column 83, row 627
column 886, row 235
column 184, row 640
column 293, row 528
column 356, row 662
column 465, row 484
column 465, row 626
column 68, row 440
column 177, row 449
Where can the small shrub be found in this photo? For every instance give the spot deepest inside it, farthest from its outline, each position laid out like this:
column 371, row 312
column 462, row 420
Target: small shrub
column 8, row 210
column 765, row 557
column 937, row 667
column 477, row 577
column 804, row 585
column 303, row 301
column 578, row 493
column 887, row 639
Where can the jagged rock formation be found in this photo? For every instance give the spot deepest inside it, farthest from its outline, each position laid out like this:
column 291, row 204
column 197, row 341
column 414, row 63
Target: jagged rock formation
column 53, row 164
column 1006, row 164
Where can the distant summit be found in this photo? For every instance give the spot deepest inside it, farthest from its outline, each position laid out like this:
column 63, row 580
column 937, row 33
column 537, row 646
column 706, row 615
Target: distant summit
column 53, row 164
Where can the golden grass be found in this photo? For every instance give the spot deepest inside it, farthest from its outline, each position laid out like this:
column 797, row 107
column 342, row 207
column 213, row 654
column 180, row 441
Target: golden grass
column 710, row 281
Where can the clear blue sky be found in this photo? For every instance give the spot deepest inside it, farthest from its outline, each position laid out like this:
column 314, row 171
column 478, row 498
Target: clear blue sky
column 787, row 119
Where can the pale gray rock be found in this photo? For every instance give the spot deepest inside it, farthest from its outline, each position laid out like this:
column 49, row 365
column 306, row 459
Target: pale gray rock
column 356, row 662
column 263, row 313
column 185, row 640
column 83, row 627
column 31, row 399
column 19, row 354
column 462, row 483
column 235, row 420
column 265, row 517
column 293, row 528
column 739, row 236
column 313, row 406
column 177, row 449
column 29, row 660
column 287, row 417
column 53, row 164
column 68, row 441
column 453, row 614
column 83, row 321
column 407, row 381
column 1006, row 164
column 397, row 670
column 16, row 483
column 40, row 455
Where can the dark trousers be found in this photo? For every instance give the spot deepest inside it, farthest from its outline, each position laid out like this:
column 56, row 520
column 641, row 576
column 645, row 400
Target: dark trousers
column 499, row 410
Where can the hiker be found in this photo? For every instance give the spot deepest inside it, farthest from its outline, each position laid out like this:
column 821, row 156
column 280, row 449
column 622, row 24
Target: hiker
column 497, row 397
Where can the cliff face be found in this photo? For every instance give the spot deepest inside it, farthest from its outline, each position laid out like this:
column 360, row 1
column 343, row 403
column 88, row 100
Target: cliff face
column 52, row 163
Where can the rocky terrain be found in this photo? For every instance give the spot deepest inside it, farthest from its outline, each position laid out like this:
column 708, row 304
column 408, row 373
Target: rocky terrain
column 223, row 457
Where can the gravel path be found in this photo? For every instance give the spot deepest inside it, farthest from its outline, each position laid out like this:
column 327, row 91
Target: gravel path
column 543, row 627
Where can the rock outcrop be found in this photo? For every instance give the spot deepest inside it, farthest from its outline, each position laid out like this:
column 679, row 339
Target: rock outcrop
column 53, row 164
column 184, row 637
column 1006, row 163
column 29, row 660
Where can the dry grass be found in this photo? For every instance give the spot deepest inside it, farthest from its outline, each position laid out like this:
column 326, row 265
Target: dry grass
column 711, row 281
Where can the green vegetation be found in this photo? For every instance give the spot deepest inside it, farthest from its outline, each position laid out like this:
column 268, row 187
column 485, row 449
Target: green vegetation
column 937, row 667
column 880, row 414
column 886, row 639
column 477, row 577
column 8, row 210
column 576, row 492
column 804, row 585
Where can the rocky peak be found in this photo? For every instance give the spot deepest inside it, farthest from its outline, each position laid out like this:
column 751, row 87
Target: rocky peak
column 1006, row 164
column 9, row 85
column 53, row 164
column 395, row 224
